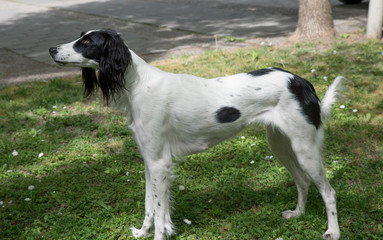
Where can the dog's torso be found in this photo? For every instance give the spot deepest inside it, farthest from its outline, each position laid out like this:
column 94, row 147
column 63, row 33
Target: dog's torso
column 189, row 114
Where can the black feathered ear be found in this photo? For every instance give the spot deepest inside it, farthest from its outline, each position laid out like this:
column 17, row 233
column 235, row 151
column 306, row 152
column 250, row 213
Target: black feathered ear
column 89, row 80
column 114, row 61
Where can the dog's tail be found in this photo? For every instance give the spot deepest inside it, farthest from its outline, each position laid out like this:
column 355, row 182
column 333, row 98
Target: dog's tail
column 331, row 97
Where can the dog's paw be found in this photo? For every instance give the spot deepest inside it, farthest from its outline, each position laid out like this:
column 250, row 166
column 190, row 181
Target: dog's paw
column 140, row 233
column 331, row 235
column 291, row 214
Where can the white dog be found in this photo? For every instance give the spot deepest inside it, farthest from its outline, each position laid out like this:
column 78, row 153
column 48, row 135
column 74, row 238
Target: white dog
column 173, row 115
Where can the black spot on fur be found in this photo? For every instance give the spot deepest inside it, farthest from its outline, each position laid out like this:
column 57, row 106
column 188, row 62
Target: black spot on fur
column 304, row 93
column 261, row 72
column 227, row 114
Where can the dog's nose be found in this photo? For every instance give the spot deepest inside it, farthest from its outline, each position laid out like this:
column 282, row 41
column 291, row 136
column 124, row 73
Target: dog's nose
column 53, row 51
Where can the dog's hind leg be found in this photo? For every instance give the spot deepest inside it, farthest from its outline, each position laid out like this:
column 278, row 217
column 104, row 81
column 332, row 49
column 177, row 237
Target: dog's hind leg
column 281, row 146
column 306, row 144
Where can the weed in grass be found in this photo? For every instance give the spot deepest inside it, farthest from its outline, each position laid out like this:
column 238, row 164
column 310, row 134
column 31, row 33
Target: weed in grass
column 234, row 39
column 81, row 189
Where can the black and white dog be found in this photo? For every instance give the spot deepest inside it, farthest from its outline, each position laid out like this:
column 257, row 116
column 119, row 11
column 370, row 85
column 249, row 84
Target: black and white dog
column 173, row 115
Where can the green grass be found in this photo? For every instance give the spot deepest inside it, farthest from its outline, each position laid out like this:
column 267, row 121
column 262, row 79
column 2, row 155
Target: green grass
column 81, row 189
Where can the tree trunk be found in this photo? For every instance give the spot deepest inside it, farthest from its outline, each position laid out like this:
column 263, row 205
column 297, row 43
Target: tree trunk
column 314, row 21
column 375, row 19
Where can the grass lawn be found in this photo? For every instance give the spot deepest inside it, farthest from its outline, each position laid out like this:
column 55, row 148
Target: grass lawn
column 70, row 169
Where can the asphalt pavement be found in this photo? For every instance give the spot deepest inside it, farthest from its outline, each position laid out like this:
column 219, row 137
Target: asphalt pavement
column 154, row 29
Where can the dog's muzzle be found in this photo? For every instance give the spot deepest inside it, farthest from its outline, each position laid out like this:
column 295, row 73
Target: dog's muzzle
column 53, row 51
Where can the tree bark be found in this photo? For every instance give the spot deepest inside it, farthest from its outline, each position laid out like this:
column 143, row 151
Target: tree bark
column 314, row 21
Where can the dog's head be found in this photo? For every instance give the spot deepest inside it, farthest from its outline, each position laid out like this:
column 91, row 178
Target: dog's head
column 101, row 50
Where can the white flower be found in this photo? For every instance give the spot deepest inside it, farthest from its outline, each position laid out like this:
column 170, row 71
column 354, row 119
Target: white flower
column 279, row 238
column 41, row 154
column 187, row 221
column 270, row 44
column 54, row 112
column 252, row 162
column 355, row 110
column 9, row 171
column 65, row 107
column 335, row 161
column 243, row 137
column 15, row 153
column 325, row 78
column 263, row 43
column 313, row 70
column 181, row 187
column 27, row 199
column 253, row 144
column 54, row 107
column 127, row 173
column 1, row 202
column 139, row 171
column 31, row 187
column 334, row 52
column 342, row 106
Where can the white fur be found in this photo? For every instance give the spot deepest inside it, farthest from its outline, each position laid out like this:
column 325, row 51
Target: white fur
column 330, row 97
column 173, row 115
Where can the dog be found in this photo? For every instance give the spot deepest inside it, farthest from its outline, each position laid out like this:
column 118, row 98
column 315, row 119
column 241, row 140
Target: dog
column 174, row 115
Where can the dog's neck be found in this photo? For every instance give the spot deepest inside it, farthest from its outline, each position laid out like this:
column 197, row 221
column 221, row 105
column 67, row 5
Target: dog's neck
column 139, row 76
column 139, row 72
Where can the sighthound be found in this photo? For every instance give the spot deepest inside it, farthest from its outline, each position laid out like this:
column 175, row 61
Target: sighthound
column 173, row 115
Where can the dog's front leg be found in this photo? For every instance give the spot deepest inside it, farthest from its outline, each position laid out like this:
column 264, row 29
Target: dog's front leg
column 157, row 200
column 160, row 180
column 147, row 226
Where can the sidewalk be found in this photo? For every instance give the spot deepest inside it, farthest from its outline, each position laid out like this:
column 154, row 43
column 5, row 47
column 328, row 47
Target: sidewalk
column 152, row 28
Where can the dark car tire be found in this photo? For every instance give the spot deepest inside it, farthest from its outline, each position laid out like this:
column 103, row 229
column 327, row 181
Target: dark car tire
column 351, row 1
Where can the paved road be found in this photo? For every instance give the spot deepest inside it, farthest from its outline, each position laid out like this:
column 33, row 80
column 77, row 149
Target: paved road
column 152, row 28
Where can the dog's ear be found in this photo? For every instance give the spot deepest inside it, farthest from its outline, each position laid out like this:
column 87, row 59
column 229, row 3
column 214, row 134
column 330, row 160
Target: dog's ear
column 114, row 61
column 89, row 80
